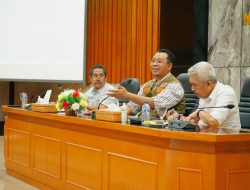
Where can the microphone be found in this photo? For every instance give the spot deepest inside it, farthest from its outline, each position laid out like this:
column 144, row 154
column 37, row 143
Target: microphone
column 101, row 102
column 229, row 106
column 41, row 94
column 187, row 126
column 58, row 86
column 124, row 83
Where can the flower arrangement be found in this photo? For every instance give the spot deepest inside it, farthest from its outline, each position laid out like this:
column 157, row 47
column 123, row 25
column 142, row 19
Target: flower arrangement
column 71, row 100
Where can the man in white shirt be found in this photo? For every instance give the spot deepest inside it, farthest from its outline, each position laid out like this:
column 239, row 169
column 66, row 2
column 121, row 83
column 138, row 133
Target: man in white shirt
column 97, row 95
column 212, row 94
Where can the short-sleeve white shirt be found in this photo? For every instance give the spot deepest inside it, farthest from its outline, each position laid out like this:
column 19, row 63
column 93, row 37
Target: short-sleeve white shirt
column 95, row 96
column 222, row 95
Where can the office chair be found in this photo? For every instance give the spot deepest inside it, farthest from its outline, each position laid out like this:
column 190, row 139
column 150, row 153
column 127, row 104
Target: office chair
column 191, row 100
column 244, row 105
column 132, row 85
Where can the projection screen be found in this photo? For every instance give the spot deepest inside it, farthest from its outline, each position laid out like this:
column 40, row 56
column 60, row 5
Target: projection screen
column 42, row 40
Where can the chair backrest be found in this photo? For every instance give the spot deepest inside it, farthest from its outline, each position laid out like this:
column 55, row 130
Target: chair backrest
column 191, row 100
column 132, row 85
column 244, row 105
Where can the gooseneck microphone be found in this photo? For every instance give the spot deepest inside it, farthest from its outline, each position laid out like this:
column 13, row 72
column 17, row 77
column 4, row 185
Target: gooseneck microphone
column 101, row 102
column 58, row 86
column 123, row 83
column 41, row 94
column 229, row 106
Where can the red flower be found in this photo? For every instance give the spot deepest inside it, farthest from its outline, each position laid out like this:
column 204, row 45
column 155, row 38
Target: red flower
column 65, row 105
column 76, row 93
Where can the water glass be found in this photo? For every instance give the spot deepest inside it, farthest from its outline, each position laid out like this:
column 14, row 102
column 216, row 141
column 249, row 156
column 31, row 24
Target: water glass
column 161, row 110
column 79, row 113
column 24, row 99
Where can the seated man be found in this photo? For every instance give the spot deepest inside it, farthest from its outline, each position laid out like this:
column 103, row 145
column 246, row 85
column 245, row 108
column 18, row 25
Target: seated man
column 96, row 96
column 212, row 94
column 164, row 89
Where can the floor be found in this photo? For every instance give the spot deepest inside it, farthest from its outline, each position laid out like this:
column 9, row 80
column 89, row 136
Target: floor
column 7, row 182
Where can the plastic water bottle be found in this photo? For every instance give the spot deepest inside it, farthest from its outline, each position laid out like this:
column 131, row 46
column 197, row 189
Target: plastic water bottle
column 124, row 113
column 145, row 113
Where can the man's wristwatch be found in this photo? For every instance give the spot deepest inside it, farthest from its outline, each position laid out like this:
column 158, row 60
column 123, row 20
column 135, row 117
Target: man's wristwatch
column 198, row 113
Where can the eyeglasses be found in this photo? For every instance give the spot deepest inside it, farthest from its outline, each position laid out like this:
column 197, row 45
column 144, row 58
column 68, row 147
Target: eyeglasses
column 95, row 77
column 156, row 61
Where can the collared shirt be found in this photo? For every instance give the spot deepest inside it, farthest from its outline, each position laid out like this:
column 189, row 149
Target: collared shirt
column 222, row 95
column 170, row 96
column 95, row 96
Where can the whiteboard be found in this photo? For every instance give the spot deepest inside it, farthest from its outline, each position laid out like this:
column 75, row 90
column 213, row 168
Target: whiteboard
column 42, row 40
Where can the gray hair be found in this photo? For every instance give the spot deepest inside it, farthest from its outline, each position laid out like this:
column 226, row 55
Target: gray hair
column 204, row 71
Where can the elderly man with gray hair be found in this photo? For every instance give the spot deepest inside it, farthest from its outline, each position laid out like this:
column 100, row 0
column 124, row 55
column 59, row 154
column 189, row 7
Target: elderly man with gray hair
column 212, row 94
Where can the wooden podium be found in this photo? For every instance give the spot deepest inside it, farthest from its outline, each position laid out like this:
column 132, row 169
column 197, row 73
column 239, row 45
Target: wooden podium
column 54, row 151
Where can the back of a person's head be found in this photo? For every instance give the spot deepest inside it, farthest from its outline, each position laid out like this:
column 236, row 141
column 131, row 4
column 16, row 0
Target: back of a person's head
column 204, row 71
column 170, row 53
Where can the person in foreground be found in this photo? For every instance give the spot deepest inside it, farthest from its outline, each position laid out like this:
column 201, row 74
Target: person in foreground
column 96, row 96
column 164, row 89
column 212, row 94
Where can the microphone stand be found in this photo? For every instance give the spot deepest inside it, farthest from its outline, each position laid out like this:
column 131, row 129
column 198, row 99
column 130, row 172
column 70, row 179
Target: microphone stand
column 101, row 102
column 229, row 106
column 93, row 115
column 43, row 93
column 183, row 125
column 122, row 84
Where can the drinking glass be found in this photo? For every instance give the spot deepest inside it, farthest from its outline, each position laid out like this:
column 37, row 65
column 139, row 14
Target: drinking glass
column 24, row 99
column 79, row 113
column 161, row 110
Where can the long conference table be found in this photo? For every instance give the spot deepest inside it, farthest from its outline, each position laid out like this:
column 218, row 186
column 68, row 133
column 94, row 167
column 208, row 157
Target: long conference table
column 53, row 151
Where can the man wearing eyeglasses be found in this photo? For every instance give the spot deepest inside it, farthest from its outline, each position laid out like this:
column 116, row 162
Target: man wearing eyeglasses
column 96, row 96
column 213, row 97
column 164, row 89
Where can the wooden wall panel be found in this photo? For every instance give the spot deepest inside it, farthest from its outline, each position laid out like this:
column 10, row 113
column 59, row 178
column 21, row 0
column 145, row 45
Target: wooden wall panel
column 122, row 35
column 43, row 147
column 238, row 179
column 19, row 149
column 83, row 167
column 124, row 170
column 190, row 170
